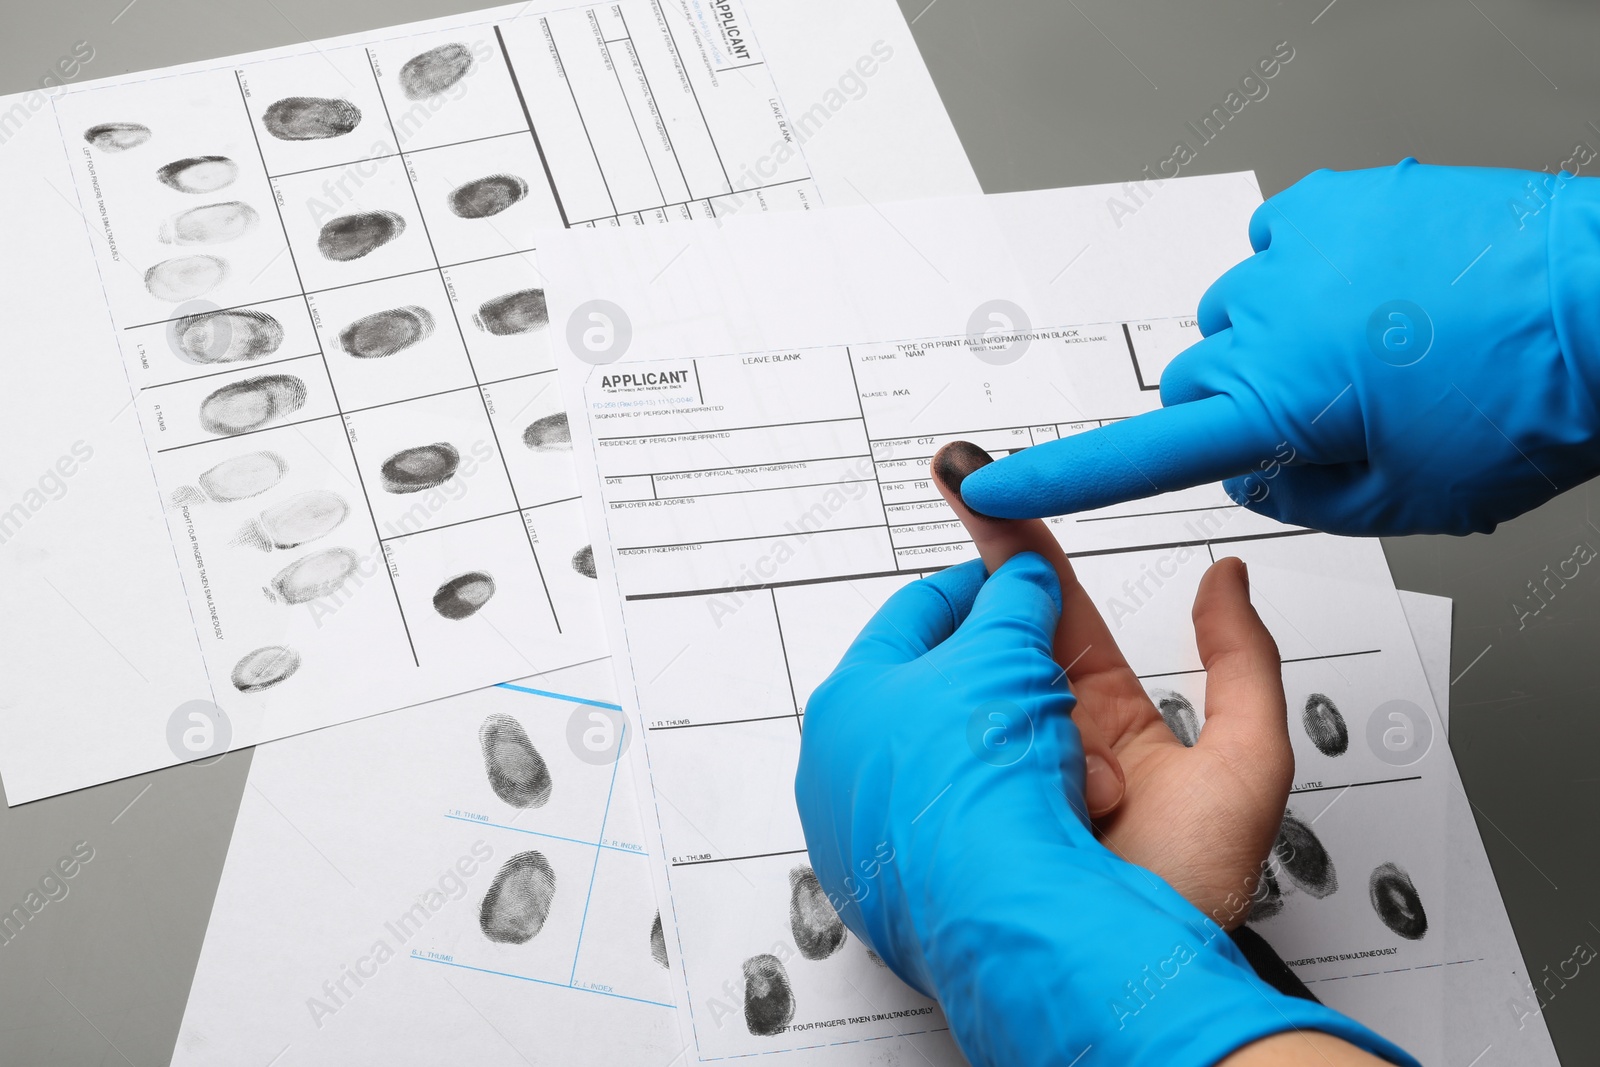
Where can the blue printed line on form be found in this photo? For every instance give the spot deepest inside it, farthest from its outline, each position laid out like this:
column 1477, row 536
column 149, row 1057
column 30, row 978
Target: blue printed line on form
column 578, row 950
column 561, row 696
column 543, row 981
column 553, row 837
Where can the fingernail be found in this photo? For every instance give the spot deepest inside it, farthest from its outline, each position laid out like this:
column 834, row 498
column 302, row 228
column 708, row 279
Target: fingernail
column 1102, row 786
column 956, row 460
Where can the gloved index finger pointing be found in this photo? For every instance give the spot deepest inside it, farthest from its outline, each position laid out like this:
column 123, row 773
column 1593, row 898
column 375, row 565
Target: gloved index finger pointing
column 1159, row 451
column 917, row 617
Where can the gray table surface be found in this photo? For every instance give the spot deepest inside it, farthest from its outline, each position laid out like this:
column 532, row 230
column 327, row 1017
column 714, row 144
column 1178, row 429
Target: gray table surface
column 1043, row 93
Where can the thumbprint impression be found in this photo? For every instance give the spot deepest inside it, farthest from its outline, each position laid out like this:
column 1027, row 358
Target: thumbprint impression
column 226, row 336
column 818, row 930
column 518, row 901
column 251, row 403
column 517, row 773
column 310, row 118
column 768, row 998
column 435, row 70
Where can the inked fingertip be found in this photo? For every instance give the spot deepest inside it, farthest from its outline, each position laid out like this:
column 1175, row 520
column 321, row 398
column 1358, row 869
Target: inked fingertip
column 956, row 460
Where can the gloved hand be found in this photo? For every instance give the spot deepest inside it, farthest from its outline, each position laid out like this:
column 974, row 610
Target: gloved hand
column 1411, row 349
column 940, row 787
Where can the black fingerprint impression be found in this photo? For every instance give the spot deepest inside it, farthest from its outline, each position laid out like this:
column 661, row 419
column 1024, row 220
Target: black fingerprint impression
column 658, row 941
column 435, row 70
column 411, row 470
column 517, row 773
column 226, row 336
column 583, row 561
column 383, row 333
column 264, row 668
column 1325, row 725
column 1395, row 900
column 818, row 930
column 117, row 136
column 198, row 174
column 483, row 197
column 1303, row 858
column 463, row 595
column 768, row 999
column 310, row 118
column 551, row 433
column 353, row 236
column 518, row 901
column 251, row 403
column 1179, row 715
column 521, row 312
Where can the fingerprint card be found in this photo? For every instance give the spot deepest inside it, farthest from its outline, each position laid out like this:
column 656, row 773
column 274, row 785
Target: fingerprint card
column 482, row 896
column 755, row 473
column 291, row 450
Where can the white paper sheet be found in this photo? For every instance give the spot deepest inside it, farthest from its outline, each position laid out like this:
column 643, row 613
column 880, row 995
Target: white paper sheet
column 135, row 566
column 754, row 470
column 347, row 927
column 317, row 868
column 1492, row 1013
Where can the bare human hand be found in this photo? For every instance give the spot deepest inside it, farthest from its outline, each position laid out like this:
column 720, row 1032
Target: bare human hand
column 1203, row 818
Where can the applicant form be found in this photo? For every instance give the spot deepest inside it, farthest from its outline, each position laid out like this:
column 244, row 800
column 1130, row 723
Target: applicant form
column 292, row 452
column 753, row 408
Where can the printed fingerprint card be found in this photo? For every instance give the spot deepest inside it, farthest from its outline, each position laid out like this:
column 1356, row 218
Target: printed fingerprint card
column 756, row 479
column 483, row 897
column 312, row 379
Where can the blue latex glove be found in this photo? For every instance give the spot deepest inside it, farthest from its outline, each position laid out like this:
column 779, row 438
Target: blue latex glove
column 940, row 786
column 1411, row 349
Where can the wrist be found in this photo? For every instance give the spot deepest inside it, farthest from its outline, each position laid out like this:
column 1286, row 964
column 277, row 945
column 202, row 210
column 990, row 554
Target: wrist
column 1085, row 954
